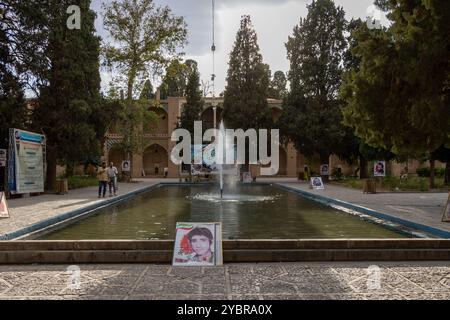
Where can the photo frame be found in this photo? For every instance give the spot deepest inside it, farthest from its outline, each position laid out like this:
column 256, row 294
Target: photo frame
column 4, row 211
column 247, row 177
column 324, row 170
column 317, row 183
column 126, row 166
column 198, row 244
column 379, row 169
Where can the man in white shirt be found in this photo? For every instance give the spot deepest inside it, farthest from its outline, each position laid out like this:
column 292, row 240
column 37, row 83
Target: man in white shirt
column 112, row 178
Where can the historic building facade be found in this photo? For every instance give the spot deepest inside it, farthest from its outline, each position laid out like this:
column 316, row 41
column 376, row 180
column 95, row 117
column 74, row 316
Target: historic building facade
column 156, row 156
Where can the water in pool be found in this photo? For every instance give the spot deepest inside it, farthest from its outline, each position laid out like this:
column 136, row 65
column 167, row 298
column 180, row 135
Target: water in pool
column 249, row 212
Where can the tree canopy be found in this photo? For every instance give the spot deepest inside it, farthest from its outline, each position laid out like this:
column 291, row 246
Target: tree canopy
column 146, row 37
column 246, row 92
column 312, row 115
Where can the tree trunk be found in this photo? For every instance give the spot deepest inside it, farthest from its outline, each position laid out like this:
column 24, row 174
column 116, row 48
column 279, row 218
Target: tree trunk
column 51, row 168
column 432, row 173
column 447, row 173
column 363, row 167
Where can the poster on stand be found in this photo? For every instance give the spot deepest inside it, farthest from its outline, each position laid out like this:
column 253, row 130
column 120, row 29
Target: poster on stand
column 26, row 162
column 4, row 212
column 446, row 215
column 379, row 169
column 317, row 183
column 324, row 170
column 198, row 244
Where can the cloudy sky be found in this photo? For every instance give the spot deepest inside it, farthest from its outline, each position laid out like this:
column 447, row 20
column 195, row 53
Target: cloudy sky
column 273, row 21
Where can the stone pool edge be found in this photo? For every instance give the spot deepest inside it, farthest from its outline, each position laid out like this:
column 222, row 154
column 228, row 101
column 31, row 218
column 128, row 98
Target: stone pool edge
column 328, row 201
column 66, row 217
column 73, row 214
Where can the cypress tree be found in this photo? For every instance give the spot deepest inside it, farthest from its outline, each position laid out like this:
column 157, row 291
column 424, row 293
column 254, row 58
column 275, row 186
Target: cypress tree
column 245, row 97
column 312, row 117
column 12, row 103
column 69, row 103
column 194, row 103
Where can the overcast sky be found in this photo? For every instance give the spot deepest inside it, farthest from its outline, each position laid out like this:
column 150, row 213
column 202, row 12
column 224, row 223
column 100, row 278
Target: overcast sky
column 273, row 21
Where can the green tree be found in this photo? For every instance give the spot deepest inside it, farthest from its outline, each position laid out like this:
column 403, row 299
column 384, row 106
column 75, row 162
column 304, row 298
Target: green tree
column 69, row 100
column 61, row 67
column 175, row 80
column 132, row 124
column 26, row 32
column 145, row 38
column 194, row 103
column 245, row 97
column 13, row 113
column 277, row 89
column 147, row 91
column 312, row 116
column 398, row 98
column 443, row 154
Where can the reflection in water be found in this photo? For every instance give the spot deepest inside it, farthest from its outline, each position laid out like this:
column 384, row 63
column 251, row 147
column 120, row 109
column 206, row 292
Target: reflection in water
column 248, row 212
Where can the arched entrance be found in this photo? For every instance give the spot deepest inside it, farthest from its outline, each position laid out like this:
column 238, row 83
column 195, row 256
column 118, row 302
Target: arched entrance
column 155, row 160
column 283, row 162
column 208, row 117
column 115, row 155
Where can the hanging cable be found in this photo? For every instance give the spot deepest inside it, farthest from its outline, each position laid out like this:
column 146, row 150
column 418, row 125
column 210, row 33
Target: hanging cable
column 213, row 49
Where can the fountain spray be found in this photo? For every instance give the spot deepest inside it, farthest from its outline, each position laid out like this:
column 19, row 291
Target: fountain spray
column 222, row 143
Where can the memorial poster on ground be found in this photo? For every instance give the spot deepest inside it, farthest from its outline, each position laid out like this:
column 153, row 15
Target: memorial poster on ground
column 4, row 212
column 324, row 170
column 126, row 166
column 198, row 244
column 247, row 177
column 446, row 215
column 379, row 169
column 317, row 183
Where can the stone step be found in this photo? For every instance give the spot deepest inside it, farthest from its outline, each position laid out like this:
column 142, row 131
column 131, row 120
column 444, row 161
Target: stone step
column 230, row 256
column 228, row 244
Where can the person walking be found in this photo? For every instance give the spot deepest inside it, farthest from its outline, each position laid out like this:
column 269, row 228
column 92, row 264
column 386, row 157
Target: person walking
column 102, row 176
column 112, row 178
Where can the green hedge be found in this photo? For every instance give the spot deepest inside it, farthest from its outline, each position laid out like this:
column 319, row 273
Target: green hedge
column 397, row 184
column 77, row 182
column 425, row 172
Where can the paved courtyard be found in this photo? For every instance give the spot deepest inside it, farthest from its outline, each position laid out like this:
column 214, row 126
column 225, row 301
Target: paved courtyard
column 297, row 281
column 336, row 280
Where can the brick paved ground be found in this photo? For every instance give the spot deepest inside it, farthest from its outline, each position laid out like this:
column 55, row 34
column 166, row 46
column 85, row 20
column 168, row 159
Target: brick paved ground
column 298, row 281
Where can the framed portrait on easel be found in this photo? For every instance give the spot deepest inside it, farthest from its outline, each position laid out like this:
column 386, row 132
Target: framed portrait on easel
column 446, row 214
column 4, row 212
column 198, row 244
